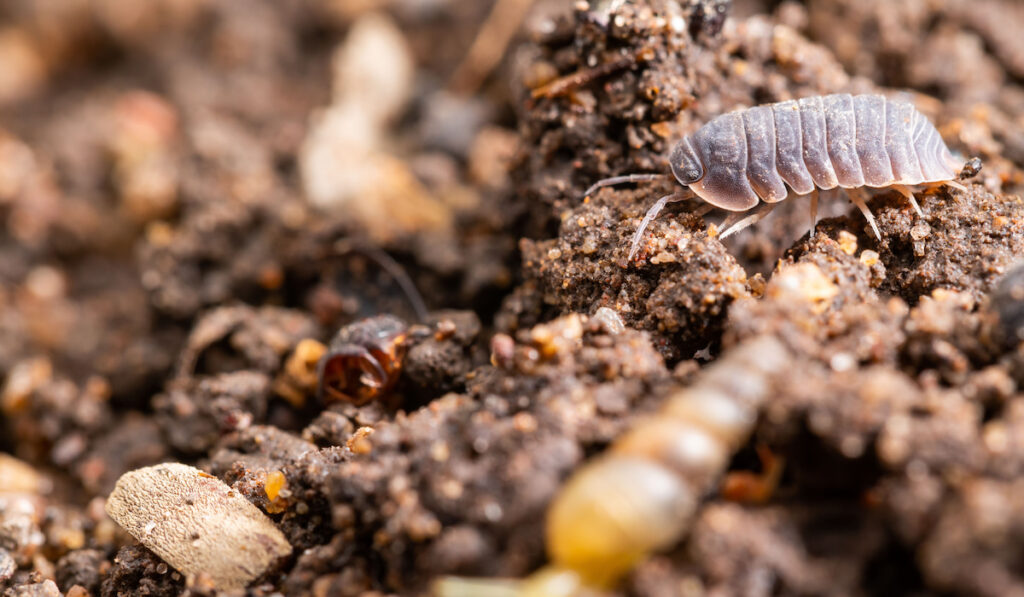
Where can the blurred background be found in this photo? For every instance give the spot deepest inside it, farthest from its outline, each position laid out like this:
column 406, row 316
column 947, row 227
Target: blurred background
column 190, row 188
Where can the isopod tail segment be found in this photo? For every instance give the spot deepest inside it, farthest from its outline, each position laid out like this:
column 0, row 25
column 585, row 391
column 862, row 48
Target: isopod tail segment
column 641, row 495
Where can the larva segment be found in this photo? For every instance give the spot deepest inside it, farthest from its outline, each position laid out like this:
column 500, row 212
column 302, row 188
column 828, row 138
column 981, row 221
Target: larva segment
column 722, row 145
column 789, row 147
column 615, row 511
column 715, row 412
column 899, row 143
column 684, row 446
column 816, row 158
column 874, row 161
column 762, row 174
column 841, row 136
column 641, row 495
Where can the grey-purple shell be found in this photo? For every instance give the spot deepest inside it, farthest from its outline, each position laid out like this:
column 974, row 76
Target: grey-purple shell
column 824, row 142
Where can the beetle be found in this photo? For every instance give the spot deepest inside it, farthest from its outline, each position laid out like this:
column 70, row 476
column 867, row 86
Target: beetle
column 749, row 156
column 363, row 360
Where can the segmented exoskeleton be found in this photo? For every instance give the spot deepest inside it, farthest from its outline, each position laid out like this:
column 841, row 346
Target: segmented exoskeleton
column 752, row 155
column 640, row 495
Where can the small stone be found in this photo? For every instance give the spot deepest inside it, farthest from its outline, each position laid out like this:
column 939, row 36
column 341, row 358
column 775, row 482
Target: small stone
column 46, row 588
column 847, row 242
column 7, row 565
column 197, row 523
column 869, row 258
column 20, row 477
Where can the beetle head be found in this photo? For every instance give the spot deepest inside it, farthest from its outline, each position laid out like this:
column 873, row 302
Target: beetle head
column 686, row 164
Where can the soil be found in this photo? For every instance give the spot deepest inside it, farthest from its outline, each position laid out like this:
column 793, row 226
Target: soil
column 195, row 199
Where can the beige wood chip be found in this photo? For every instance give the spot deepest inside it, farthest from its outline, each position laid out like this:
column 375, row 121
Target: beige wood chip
column 197, row 523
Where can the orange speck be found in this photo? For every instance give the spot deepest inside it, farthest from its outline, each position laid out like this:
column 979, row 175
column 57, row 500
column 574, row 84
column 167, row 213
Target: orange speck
column 274, row 484
column 271, row 277
column 662, row 129
column 360, row 442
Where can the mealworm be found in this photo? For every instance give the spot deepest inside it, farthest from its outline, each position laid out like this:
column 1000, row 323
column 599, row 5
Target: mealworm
column 640, row 496
column 766, row 153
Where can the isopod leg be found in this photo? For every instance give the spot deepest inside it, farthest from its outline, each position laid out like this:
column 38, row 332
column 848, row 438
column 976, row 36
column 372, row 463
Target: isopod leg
column 653, row 213
column 955, row 185
column 906, row 192
column 614, row 180
column 814, row 210
column 859, row 198
column 729, row 221
column 745, row 222
column 703, row 210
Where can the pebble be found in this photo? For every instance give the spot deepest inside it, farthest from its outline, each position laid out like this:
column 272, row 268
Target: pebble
column 197, row 523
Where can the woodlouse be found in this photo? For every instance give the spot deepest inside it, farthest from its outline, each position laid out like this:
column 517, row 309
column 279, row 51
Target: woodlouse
column 640, row 495
column 741, row 158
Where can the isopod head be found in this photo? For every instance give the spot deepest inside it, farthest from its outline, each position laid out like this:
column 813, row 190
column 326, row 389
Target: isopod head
column 685, row 163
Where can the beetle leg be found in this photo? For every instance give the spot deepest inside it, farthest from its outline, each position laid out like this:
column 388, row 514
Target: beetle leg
column 747, row 221
column 614, row 180
column 753, row 488
column 906, row 192
column 653, row 213
column 858, row 197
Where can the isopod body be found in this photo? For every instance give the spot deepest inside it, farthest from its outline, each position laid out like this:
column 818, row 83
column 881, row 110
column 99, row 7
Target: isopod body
column 765, row 153
column 824, row 142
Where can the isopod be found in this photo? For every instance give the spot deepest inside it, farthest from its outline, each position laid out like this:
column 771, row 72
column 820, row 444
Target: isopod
column 748, row 156
column 640, row 496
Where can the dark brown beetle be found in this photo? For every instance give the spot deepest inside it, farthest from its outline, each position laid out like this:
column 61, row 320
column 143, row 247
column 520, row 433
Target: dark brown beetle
column 364, row 360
